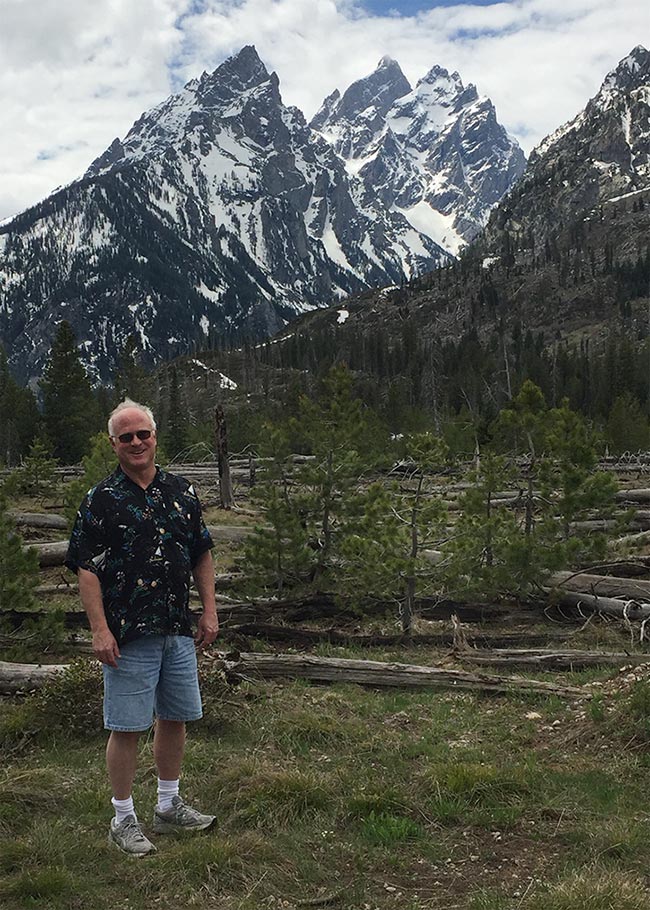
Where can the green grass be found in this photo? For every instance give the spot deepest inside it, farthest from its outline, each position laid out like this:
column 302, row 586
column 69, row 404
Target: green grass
column 383, row 799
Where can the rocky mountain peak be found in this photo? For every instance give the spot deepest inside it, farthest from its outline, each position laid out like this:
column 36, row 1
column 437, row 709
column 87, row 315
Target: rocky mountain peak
column 374, row 94
column 240, row 81
column 237, row 74
column 632, row 72
column 441, row 84
column 608, row 142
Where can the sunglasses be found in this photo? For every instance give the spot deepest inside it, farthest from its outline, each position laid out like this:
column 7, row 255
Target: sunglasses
column 128, row 437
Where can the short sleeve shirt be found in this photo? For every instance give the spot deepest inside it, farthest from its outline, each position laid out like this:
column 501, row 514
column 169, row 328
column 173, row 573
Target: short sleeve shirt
column 142, row 546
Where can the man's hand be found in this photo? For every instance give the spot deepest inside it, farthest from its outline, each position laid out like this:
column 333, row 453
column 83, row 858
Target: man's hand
column 208, row 627
column 104, row 644
column 207, row 630
column 105, row 647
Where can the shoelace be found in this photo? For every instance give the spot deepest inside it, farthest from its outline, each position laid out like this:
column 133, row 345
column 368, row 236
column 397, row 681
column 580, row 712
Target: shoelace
column 134, row 828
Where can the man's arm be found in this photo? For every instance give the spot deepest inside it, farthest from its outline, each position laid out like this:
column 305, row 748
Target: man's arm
column 208, row 627
column 105, row 647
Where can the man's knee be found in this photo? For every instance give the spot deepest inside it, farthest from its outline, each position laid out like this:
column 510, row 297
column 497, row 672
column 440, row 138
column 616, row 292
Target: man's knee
column 125, row 738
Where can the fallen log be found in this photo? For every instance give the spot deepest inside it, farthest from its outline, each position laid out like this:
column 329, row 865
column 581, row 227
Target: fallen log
column 233, row 533
column 39, row 520
column 610, row 606
column 632, row 495
column 608, row 585
column 550, row 660
column 50, row 554
column 26, row 677
column 15, row 678
column 376, row 673
column 636, row 567
column 46, row 590
column 630, row 539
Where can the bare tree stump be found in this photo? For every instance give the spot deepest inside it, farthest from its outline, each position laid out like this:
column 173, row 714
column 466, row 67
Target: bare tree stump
column 221, row 438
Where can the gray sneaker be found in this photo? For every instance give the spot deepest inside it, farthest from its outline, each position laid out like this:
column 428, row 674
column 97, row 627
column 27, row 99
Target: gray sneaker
column 128, row 837
column 181, row 817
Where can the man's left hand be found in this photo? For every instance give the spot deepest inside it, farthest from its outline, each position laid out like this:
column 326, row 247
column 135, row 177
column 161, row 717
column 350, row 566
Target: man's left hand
column 207, row 630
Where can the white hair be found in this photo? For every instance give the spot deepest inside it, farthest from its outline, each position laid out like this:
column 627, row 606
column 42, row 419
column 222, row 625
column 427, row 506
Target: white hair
column 122, row 406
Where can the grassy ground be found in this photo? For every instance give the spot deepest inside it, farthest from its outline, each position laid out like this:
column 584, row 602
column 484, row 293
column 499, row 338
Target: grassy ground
column 340, row 796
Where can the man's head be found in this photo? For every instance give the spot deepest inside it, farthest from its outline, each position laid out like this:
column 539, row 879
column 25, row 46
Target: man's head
column 132, row 431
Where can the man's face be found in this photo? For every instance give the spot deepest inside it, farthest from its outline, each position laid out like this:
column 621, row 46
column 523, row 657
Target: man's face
column 138, row 455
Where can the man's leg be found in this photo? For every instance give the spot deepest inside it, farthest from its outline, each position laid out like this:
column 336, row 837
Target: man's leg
column 177, row 701
column 169, row 748
column 121, row 761
column 129, row 691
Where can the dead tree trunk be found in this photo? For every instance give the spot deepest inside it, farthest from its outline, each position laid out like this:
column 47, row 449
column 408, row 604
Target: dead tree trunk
column 544, row 659
column 221, row 438
column 376, row 673
column 607, row 585
column 50, row 554
column 16, row 678
column 21, row 677
column 610, row 606
column 38, row 520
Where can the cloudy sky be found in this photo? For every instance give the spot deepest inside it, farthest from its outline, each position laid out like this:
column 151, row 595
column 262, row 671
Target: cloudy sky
column 74, row 75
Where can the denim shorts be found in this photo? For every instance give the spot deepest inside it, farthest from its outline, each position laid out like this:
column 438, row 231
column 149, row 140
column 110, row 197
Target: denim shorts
column 155, row 675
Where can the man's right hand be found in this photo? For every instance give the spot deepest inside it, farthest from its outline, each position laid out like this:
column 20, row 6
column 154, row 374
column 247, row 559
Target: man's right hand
column 105, row 647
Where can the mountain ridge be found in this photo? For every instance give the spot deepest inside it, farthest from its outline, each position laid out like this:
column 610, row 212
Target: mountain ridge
column 222, row 214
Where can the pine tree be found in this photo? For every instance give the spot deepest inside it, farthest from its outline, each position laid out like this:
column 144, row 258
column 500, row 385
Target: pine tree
column 20, row 420
column 572, row 445
column 388, row 531
column 36, row 475
column 18, row 567
column 344, row 442
column 175, row 437
column 98, row 464
column 277, row 554
column 627, row 426
column 478, row 556
column 69, row 407
column 131, row 380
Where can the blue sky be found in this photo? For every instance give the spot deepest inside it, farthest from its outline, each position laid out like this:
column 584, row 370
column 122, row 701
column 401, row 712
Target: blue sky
column 412, row 7
column 75, row 75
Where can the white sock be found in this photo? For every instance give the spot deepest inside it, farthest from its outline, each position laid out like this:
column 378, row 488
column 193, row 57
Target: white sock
column 167, row 790
column 123, row 808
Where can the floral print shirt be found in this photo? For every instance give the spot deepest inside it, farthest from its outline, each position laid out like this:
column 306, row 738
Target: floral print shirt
column 142, row 546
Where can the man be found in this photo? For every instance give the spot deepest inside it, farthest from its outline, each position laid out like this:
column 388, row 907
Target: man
column 138, row 536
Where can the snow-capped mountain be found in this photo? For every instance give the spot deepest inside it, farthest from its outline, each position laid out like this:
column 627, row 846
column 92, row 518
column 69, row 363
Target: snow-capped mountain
column 564, row 256
column 598, row 157
column 436, row 153
column 220, row 214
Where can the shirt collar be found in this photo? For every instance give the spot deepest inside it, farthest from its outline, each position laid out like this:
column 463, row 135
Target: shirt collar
column 123, row 478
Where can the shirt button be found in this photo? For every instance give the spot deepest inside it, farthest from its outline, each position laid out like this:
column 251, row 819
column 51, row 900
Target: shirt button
column 162, row 530
column 139, row 582
column 153, row 584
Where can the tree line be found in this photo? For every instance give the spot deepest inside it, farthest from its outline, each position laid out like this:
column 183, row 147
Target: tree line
column 454, row 389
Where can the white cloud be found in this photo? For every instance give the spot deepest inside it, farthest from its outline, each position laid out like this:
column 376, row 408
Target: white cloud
column 77, row 74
